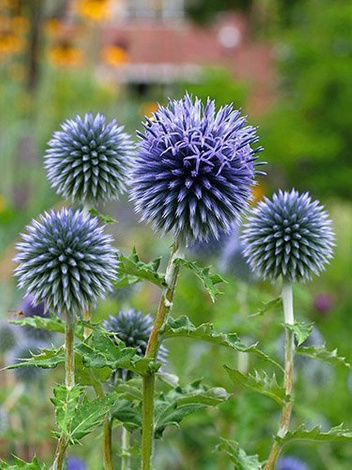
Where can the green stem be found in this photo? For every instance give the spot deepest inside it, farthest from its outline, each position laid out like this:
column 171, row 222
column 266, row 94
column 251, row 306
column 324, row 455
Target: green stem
column 125, row 449
column 164, row 309
column 70, row 383
column 288, row 382
column 107, row 428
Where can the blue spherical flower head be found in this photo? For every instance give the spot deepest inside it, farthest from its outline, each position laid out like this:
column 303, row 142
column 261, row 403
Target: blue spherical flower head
column 288, row 236
column 89, row 160
column 66, row 260
column 194, row 169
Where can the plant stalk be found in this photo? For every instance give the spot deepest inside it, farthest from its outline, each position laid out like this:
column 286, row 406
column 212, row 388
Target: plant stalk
column 107, row 448
column 288, row 381
column 165, row 306
column 69, row 382
column 125, row 449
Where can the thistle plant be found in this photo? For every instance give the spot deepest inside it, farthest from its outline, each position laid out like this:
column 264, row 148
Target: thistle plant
column 28, row 308
column 191, row 179
column 290, row 237
column 67, row 261
column 88, row 160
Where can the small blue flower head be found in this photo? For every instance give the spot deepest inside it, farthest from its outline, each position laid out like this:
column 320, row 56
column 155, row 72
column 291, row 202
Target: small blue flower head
column 194, row 170
column 66, row 260
column 291, row 463
column 288, row 236
column 8, row 337
column 89, row 160
column 23, row 351
column 29, row 308
column 74, row 463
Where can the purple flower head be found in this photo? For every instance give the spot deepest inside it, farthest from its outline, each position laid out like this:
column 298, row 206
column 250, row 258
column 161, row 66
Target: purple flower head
column 29, row 308
column 66, row 260
column 323, row 303
column 88, row 160
column 194, row 169
column 289, row 236
column 74, row 463
column 291, row 463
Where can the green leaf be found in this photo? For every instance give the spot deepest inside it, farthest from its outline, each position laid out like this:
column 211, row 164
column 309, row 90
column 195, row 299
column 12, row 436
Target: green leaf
column 171, row 408
column 260, row 383
column 66, row 403
column 132, row 270
column 238, row 456
column 335, row 434
column 53, row 323
column 183, row 327
column 209, row 280
column 267, row 306
column 104, row 218
column 321, row 353
column 47, row 359
column 128, row 413
column 21, row 464
column 301, row 330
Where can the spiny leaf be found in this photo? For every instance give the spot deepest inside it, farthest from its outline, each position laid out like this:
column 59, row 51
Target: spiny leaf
column 66, row 403
column 53, row 323
column 209, row 280
column 132, row 269
column 260, row 383
column 47, row 359
column 182, row 326
column 104, row 218
column 238, row 456
column 335, row 434
column 321, row 353
column 21, row 464
column 267, row 306
column 301, row 330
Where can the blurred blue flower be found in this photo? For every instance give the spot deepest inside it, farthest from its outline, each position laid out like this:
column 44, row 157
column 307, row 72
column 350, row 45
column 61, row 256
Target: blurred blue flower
column 74, row 463
column 291, row 463
column 21, row 352
column 29, row 308
column 194, row 170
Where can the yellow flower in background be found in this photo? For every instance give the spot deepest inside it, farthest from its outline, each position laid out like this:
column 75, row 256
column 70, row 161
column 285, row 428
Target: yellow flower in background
column 114, row 55
column 148, row 108
column 258, row 192
column 65, row 54
column 10, row 43
column 20, row 24
column 96, row 10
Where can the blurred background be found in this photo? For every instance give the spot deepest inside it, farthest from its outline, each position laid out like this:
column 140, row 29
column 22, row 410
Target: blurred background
column 287, row 64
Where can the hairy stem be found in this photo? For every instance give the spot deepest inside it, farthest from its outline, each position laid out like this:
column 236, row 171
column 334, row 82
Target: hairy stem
column 107, row 448
column 69, row 382
column 165, row 306
column 125, row 449
column 288, row 381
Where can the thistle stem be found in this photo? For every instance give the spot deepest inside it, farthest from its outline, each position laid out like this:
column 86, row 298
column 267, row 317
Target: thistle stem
column 125, row 449
column 69, row 382
column 288, row 381
column 107, row 448
column 165, row 306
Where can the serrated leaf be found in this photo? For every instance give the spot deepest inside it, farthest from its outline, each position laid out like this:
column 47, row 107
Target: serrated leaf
column 21, row 464
column 209, row 280
column 322, row 354
column 183, row 327
column 335, row 434
column 267, row 306
column 172, row 407
column 66, row 403
column 301, row 330
column 53, row 323
column 136, row 270
column 104, row 218
column 47, row 359
column 238, row 456
column 128, row 413
column 260, row 383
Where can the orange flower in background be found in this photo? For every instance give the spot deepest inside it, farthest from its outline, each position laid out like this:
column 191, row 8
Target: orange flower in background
column 10, row 43
column 148, row 108
column 64, row 54
column 20, row 24
column 114, row 55
column 258, row 192
column 96, row 10
column 53, row 27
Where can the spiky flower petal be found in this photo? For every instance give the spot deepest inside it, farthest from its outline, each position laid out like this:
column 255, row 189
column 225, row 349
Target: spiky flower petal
column 289, row 236
column 194, row 169
column 29, row 308
column 66, row 260
column 89, row 160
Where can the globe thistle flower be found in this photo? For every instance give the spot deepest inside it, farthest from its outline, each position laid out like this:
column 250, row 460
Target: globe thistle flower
column 133, row 328
column 8, row 337
column 23, row 351
column 74, row 463
column 194, row 169
column 289, row 236
column 66, row 260
column 29, row 308
column 291, row 463
column 122, row 294
column 89, row 160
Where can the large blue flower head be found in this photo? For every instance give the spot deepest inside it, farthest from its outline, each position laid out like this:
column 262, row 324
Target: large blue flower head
column 66, row 260
column 89, row 160
column 289, row 236
column 194, row 170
